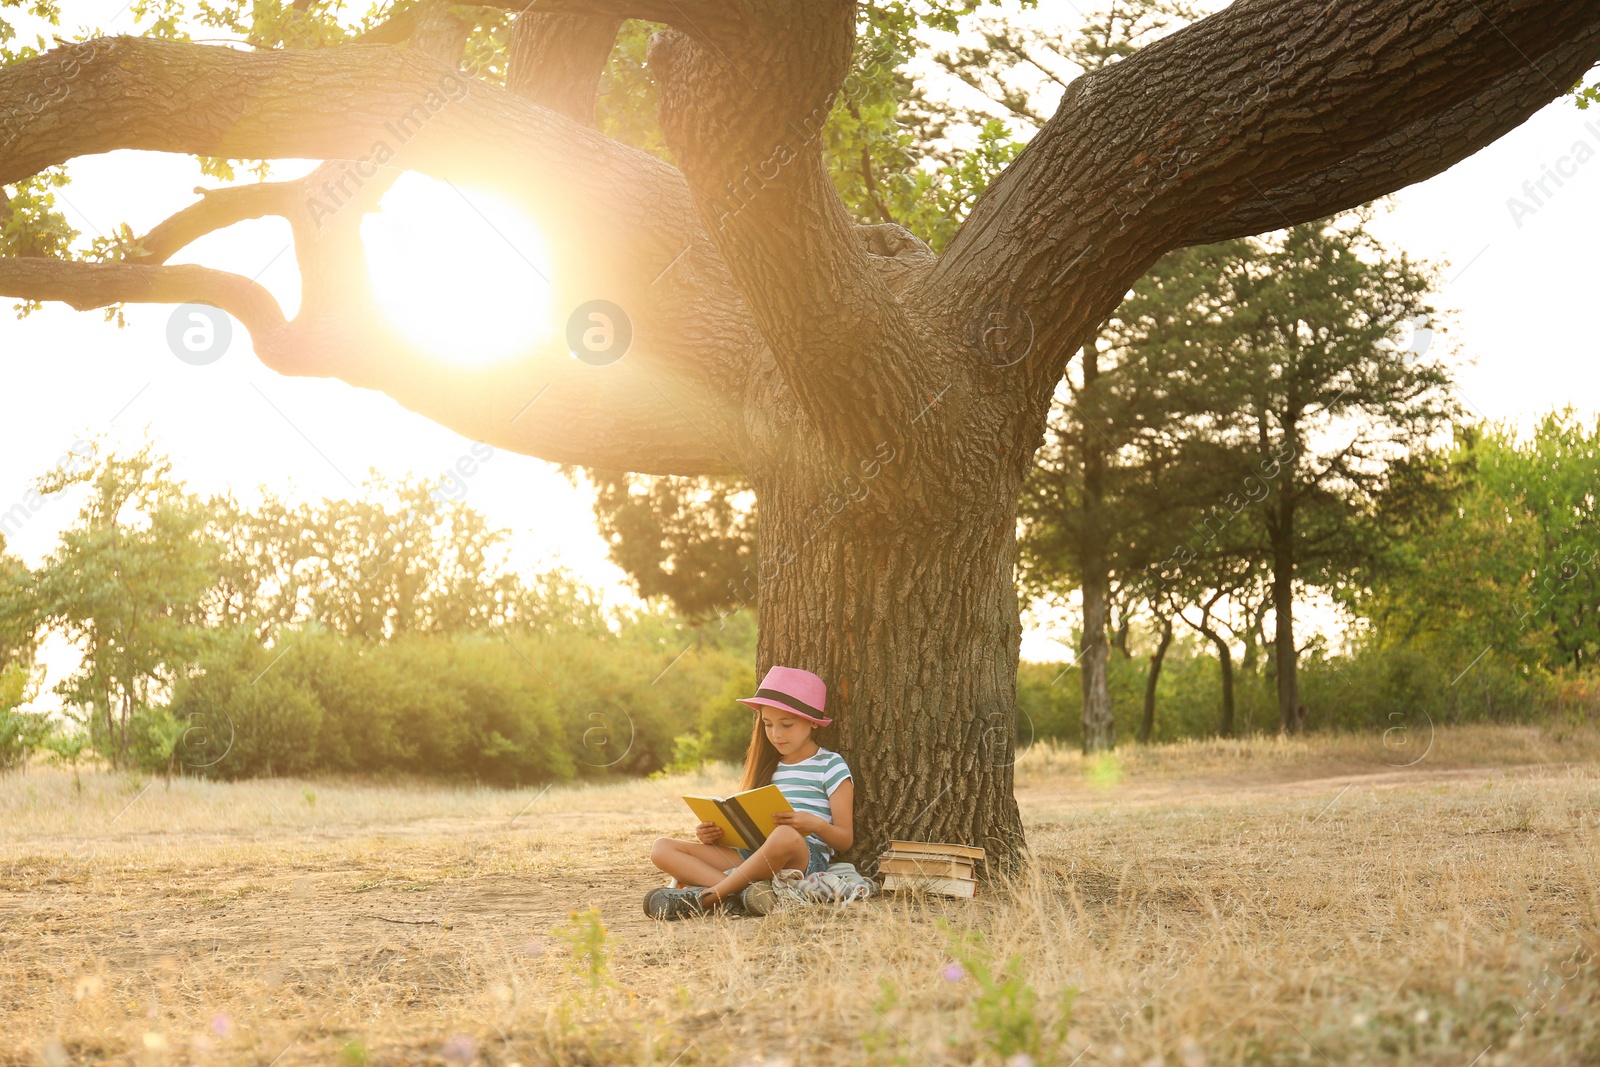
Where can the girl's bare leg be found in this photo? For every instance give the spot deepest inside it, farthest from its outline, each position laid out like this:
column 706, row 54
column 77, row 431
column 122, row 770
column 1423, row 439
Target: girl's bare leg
column 785, row 847
column 691, row 862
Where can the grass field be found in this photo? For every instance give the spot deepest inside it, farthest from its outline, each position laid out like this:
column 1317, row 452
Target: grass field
column 1315, row 902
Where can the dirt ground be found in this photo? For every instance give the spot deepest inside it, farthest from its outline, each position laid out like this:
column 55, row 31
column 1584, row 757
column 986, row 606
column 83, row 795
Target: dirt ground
column 1272, row 902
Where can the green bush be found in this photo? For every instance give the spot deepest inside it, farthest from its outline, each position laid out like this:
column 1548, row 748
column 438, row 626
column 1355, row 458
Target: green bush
column 21, row 733
column 508, row 706
column 241, row 715
column 1373, row 687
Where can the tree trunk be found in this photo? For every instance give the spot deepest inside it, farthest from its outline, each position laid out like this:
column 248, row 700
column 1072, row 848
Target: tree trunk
column 915, row 628
column 1225, row 662
column 1121, row 632
column 122, row 732
column 1147, row 723
column 1284, row 652
column 1254, row 637
column 1099, row 726
column 111, row 728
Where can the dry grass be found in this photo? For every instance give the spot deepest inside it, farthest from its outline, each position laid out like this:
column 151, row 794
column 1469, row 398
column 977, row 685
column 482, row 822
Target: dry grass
column 1264, row 901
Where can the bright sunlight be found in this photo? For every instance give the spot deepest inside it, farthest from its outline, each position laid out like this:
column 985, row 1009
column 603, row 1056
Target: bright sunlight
column 463, row 272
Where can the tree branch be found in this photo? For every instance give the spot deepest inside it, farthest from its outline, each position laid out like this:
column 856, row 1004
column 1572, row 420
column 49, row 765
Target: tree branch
column 557, row 60
column 1143, row 154
column 1426, row 147
column 216, row 210
column 86, row 286
column 621, row 220
column 745, row 119
column 549, row 405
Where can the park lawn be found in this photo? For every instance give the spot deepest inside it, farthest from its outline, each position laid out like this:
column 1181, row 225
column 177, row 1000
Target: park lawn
column 1320, row 901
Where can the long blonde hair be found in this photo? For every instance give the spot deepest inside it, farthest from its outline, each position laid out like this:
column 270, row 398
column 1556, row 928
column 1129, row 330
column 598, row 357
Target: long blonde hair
column 760, row 761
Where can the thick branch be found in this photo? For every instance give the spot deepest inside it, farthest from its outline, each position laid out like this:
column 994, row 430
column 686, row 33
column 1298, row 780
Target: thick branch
column 617, row 217
column 85, row 286
column 557, row 60
column 549, row 405
column 218, row 209
column 620, row 221
column 1142, row 155
column 745, row 119
column 1426, row 147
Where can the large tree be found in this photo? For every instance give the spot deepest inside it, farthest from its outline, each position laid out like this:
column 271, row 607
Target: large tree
column 869, row 390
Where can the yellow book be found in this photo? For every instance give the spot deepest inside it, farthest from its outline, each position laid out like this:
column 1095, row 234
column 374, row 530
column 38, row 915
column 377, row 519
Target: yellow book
column 745, row 818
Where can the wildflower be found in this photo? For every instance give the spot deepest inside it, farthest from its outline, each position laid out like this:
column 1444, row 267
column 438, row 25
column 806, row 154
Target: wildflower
column 460, row 1049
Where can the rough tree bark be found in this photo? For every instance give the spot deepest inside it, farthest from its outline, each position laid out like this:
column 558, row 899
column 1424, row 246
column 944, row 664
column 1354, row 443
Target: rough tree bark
column 844, row 370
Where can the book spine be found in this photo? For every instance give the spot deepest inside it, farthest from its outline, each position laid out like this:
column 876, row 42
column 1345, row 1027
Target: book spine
column 753, row 838
column 949, row 887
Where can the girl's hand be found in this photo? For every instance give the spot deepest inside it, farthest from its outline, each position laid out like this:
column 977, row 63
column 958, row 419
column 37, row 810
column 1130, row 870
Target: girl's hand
column 708, row 833
column 803, row 821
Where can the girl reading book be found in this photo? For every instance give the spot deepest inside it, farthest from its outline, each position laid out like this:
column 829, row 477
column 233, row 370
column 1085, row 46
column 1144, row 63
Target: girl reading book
column 815, row 781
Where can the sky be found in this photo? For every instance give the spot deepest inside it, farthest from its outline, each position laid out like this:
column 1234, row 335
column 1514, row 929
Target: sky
column 1519, row 291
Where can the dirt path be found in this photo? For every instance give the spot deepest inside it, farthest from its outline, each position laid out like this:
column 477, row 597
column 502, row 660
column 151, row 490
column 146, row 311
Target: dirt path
column 1273, row 784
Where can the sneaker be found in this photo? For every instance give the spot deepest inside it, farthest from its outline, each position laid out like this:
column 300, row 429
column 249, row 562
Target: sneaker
column 665, row 903
column 758, row 898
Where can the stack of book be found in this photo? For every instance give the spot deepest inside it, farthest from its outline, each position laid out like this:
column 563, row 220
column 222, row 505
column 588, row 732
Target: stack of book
column 930, row 866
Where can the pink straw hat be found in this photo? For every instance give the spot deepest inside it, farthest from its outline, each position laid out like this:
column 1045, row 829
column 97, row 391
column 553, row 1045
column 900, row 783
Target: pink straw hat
column 793, row 690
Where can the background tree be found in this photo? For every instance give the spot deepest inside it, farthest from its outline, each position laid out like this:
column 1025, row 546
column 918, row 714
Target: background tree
column 1124, row 465
column 18, row 641
column 1308, row 408
column 691, row 540
column 1512, row 566
column 1332, row 400
column 1103, row 500
column 127, row 585
column 776, row 338
column 1221, row 586
column 21, row 732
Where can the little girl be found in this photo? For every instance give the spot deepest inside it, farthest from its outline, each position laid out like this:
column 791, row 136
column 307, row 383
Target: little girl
column 813, row 779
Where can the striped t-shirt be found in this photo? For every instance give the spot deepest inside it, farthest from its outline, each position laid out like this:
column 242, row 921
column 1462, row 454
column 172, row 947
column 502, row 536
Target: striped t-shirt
column 807, row 785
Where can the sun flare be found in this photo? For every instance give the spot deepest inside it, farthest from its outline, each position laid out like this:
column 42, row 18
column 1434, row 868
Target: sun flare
column 463, row 272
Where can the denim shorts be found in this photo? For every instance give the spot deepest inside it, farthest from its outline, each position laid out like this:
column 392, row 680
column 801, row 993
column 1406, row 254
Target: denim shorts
column 821, row 856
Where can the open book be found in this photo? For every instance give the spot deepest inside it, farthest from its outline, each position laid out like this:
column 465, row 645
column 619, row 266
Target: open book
column 745, row 818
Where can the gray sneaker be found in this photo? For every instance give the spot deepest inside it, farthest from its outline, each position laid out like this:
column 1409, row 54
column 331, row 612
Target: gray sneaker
column 664, row 903
column 758, row 898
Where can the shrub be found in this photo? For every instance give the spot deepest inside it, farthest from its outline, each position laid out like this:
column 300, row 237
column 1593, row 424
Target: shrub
column 508, row 706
